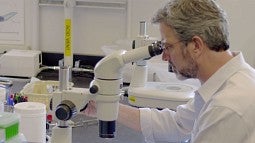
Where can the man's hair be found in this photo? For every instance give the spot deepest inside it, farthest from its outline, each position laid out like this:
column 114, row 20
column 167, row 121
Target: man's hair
column 203, row 18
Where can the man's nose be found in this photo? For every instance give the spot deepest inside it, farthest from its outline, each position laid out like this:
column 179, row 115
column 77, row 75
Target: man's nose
column 165, row 57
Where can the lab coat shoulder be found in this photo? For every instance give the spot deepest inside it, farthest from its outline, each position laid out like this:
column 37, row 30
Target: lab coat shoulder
column 220, row 125
column 237, row 93
column 229, row 112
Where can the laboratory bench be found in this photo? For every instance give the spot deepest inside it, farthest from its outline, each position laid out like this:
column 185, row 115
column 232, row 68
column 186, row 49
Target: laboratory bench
column 87, row 132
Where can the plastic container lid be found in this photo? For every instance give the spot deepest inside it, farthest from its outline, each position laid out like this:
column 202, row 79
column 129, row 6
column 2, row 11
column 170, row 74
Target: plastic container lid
column 28, row 108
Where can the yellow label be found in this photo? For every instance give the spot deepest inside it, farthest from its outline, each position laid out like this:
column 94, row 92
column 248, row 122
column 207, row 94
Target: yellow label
column 131, row 98
column 68, row 40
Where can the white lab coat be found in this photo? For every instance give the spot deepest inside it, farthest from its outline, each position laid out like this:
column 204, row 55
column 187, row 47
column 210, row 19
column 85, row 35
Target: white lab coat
column 222, row 111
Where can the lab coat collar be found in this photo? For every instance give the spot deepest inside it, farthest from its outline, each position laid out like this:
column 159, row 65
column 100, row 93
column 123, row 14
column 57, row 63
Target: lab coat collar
column 213, row 84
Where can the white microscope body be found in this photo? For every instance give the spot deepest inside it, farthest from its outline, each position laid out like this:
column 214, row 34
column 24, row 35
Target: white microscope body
column 140, row 67
column 105, row 89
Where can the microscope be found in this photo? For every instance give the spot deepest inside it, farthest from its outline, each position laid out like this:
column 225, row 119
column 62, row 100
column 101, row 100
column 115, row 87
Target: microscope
column 105, row 90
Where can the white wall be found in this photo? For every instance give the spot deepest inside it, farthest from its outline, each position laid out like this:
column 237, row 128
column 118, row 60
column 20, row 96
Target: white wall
column 94, row 27
column 143, row 10
column 242, row 21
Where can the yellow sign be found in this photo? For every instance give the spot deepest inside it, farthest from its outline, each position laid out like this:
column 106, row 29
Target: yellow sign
column 68, row 40
column 131, row 98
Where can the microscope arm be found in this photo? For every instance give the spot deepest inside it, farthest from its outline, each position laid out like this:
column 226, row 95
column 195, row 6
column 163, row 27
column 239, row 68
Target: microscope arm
column 111, row 66
column 67, row 103
column 107, row 84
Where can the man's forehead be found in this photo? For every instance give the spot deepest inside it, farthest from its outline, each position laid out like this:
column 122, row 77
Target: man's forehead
column 166, row 32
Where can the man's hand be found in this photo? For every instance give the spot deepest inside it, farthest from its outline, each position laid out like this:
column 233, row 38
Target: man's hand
column 91, row 110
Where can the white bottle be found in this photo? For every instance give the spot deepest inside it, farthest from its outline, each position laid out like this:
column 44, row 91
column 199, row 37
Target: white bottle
column 1, row 106
column 2, row 98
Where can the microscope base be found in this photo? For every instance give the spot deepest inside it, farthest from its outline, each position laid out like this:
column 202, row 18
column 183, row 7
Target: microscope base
column 61, row 135
column 160, row 95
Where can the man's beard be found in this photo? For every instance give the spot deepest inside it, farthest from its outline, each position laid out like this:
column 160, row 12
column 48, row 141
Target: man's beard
column 189, row 71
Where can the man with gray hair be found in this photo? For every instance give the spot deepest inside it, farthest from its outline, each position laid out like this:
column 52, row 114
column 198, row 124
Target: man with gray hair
column 196, row 44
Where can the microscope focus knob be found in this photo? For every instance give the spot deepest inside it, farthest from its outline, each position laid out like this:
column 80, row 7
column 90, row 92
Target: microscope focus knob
column 65, row 110
column 93, row 89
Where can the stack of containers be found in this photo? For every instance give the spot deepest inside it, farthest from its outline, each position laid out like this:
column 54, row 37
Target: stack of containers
column 9, row 126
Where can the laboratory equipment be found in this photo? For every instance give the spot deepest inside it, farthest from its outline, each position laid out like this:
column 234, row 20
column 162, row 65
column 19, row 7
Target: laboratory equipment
column 68, row 52
column 20, row 63
column 105, row 89
column 161, row 95
column 32, row 120
column 140, row 68
column 7, row 16
column 5, row 88
column 41, row 91
column 9, row 126
column 154, row 94
column 6, row 84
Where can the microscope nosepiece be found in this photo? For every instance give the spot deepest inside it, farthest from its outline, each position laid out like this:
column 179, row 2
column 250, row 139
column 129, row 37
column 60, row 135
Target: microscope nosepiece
column 107, row 129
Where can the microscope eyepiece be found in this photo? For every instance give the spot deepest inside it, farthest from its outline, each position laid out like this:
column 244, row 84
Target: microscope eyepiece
column 107, row 129
column 155, row 48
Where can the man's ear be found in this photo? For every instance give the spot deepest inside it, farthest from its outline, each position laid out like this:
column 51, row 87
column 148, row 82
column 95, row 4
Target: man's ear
column 198, row 46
